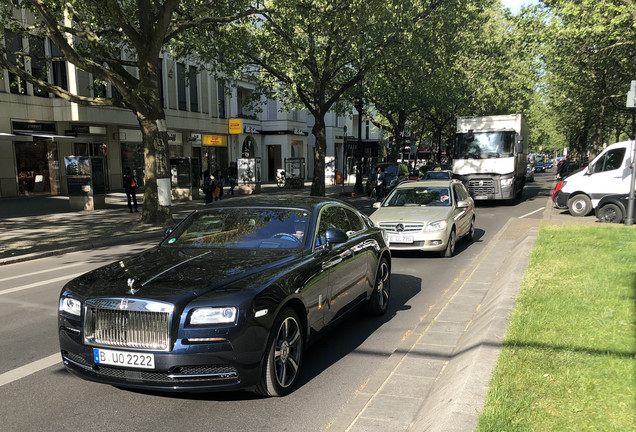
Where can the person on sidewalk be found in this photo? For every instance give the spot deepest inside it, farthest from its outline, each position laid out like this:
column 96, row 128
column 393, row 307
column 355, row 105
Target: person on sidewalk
column 130, row 187
column 220, row 183
column 208, row 186
column 232, row 174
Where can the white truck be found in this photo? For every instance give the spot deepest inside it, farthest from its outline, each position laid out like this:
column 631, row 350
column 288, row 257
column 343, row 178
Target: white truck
column 490, row 156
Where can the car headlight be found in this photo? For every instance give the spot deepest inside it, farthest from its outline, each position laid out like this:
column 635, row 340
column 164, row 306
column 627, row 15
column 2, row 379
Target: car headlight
column 71, row 306
column 507, row 182
column 214, row 315
column 437, row 225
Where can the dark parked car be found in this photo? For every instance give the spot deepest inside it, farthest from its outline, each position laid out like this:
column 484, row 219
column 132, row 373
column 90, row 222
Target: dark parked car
column 539, row 167
column 228, row 300
column 613, row 208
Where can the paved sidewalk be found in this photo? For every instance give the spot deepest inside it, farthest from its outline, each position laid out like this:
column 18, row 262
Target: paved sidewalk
column 437, row 379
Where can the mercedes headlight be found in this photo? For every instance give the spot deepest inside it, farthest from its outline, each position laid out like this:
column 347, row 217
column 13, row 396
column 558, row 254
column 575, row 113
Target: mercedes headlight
column 437, row 225
column 214, row 315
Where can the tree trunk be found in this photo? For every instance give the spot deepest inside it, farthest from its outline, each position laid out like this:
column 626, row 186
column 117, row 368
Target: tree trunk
column 157, row 187
column 320, row 149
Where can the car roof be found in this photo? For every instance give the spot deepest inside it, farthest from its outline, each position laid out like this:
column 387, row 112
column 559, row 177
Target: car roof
column 275, row 200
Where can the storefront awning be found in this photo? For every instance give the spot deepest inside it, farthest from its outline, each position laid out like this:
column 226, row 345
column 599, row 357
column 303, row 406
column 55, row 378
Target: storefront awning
column 35, row 135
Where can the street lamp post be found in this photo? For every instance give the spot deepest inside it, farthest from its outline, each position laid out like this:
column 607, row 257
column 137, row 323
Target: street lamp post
column 358, row 186
column 345, row 153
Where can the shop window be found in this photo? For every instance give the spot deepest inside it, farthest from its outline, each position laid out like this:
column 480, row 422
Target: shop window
column 38, row 167
column 132, row 156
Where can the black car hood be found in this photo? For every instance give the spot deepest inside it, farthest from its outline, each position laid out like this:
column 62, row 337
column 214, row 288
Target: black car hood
column 169, row 272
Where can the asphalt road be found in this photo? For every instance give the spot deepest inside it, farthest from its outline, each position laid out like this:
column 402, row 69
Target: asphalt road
column 38, row 394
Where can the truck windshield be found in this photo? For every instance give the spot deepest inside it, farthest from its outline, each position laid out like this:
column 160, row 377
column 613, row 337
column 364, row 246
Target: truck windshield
column 483, row 145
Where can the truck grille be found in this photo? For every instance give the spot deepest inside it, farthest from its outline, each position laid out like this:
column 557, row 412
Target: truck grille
column 128, row 323
column 481, row 187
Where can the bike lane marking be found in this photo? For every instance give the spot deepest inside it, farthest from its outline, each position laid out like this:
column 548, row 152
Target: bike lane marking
column 29, row 369
column 42, row 271
column 37, row 284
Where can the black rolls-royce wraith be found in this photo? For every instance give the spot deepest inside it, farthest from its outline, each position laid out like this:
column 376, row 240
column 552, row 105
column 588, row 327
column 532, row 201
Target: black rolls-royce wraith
column 228, row 300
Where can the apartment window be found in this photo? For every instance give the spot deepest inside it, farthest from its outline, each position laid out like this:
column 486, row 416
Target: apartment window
column 38, row 64
column 58, row 67
column 160, row 65
column 221, row 100
column 14, row 44
column 181, row 87
column 194, row 90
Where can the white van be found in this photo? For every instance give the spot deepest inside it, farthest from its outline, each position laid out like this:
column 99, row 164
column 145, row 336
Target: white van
column 609, row 173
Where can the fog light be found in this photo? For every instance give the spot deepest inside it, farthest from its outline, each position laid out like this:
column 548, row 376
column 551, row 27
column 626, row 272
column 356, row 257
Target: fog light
column 436, row 242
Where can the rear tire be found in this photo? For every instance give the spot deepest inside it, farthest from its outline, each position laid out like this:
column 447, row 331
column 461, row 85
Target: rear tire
column 610, row 213
column 379, row 300
column 283, row 355
column 579, row 205
column 471, row 231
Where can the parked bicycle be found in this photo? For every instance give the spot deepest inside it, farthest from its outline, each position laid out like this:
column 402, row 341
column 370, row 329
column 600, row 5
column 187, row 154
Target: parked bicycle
column 293, row 182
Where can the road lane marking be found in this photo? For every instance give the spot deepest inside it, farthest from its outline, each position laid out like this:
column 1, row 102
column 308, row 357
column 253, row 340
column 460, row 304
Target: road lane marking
column 531, row 213
column 37, row 284
column 42, row 271
column 28, row 369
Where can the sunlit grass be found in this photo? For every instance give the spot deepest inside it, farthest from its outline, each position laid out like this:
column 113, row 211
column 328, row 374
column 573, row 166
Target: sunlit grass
column 569, row 356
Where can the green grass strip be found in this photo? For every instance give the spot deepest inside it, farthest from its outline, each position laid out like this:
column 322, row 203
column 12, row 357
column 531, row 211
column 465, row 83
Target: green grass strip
column 569, row 356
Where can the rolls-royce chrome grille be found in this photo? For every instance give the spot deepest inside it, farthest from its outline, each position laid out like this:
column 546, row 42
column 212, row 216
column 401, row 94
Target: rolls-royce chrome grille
column 128, row 323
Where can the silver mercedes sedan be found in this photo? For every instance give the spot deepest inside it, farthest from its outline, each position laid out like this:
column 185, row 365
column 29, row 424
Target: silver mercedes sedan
column 429, row 215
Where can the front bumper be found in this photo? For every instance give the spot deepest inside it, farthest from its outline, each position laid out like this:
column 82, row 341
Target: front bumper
column 560, row 199
column 202, row 367
column 433, row 241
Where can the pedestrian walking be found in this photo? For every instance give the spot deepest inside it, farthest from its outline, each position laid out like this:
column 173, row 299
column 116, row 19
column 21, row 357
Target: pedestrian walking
column 130, row 187
column 208, row 186
column 232, row 174
column 379, row 184
column 220, row 183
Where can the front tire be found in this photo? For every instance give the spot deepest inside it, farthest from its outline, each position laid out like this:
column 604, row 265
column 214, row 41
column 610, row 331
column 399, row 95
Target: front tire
column 579, row 205
column 450, row 245
column 379, row 300
column 471, row 231
column 610, row 213
column 283, row 356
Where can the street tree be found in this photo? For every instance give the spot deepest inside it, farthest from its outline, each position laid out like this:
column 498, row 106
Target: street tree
column 313, row 53
column 118, row 42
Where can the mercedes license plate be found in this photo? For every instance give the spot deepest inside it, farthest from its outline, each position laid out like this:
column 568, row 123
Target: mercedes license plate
column 124, row 358
column 400, row 239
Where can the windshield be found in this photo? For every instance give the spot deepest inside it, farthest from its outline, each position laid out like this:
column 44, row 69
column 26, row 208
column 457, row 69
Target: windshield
column 253, row 228
column 419, row 197
column 483, row 145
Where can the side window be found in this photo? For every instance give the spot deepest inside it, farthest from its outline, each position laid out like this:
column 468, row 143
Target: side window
column 612, row 160
column 355, row 223
column 331, row 217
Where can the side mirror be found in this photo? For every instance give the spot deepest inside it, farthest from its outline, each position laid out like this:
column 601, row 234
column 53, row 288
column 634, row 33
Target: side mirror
column 463, row 204
column 335, row 236
column 377, row 204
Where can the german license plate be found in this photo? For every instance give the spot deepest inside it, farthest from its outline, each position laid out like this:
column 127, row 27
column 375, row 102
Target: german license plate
column 400, row 239
column 123, row 358
column 481, row 197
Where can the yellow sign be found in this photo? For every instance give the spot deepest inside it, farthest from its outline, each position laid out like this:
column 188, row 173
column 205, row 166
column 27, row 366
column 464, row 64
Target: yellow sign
column 236, row 126
column 214, row 140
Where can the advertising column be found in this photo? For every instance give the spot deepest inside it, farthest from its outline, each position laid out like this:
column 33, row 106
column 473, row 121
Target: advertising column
column 86, row 181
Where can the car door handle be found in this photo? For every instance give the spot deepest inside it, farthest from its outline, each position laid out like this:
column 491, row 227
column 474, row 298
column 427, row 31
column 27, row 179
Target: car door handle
column 332, row 262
